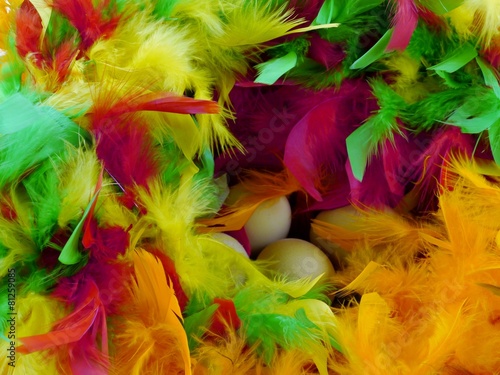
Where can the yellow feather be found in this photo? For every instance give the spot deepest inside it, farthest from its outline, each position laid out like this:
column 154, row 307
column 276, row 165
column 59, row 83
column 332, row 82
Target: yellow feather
column 479, row 17
column 15, row 235
column 78, row 178
column 35, row 315
column 254, row 22
column 407, row 82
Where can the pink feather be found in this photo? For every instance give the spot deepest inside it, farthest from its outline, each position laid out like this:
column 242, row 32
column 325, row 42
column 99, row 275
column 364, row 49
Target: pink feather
column 405, row 22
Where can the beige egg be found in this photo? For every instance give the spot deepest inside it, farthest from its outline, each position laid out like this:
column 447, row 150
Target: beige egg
column 231, row 242
column 344, row 217
column 270, row 222
column 297, row 259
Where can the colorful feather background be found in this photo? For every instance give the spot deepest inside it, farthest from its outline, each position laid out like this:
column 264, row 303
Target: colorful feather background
column 133, row 132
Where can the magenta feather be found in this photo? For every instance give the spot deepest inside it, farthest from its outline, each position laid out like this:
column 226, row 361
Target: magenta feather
column 317, row 142
column 326, row 53
column 434, row 152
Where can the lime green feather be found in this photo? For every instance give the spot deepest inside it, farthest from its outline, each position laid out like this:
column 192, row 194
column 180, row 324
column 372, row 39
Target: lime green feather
column 31, row 134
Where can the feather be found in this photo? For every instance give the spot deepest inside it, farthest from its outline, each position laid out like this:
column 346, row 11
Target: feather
column 31, row 134
column 326, row 53
column 271, row 321
column 225, row 355
column 93, row 24
column 41, row 187
column 322, row 129
column 81, row 324
column 35, row 314
column 360, row 331
column 365, row 141
column 29, row 31
column 479, row 17
column 257, row 188
column 434, row 154
column 16, row 239
column 78, row 177
column 173, row 276
column 255, row 23
column 140, row 159
column 152, row 336
column 405, row 22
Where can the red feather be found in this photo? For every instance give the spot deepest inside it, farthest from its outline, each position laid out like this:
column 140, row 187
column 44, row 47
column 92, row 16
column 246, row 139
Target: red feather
column 64, row 57
column 492, row 52
column 374, row 190
column 79, row 331
column 110, row 108
column 89, row 21
column 405, row 22
column 88, row 238
column 224, row 317
column 164, row 102
column 29, row 30
column 128, row 154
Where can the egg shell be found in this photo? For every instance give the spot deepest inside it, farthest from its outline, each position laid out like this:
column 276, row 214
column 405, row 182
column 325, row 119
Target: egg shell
column 270, row 222
column 231, row 242
column 344, row 217
column 297, row 259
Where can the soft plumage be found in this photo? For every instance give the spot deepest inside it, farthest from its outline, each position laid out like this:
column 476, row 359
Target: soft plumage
column 132, row 131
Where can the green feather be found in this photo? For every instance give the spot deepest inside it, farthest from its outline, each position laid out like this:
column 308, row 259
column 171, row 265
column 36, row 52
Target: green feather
column 31, row 134
column 10, row 70
column 490, row 76
column 42, row 189
column 343, row 10
column 269, row 330
column 435, row 108
column 197, row 324
column 365, row 140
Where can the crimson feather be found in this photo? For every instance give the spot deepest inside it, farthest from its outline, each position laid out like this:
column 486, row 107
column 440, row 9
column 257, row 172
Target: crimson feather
column 405, row 22
column 87, row 19
column 29, row 30
column 84, row 325
column 138, row 159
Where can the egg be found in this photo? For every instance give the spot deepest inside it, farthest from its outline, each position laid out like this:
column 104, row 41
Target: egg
column 344, row 217
column 231, row 242
column 270, row 222
column 297, row 259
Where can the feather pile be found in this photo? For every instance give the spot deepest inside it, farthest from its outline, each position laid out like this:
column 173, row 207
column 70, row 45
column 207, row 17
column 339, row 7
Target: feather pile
column 133, row 132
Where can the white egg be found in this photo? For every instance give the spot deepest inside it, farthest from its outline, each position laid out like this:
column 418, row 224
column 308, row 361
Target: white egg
column 231, row 242
column 270, row 222
column 344, row 217
column 297, row 259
